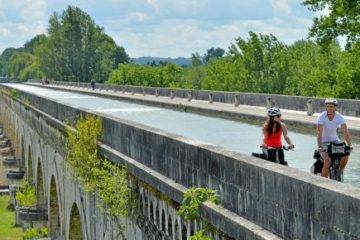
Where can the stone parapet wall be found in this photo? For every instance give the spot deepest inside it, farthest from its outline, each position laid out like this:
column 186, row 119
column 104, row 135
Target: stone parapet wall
column 348, row 107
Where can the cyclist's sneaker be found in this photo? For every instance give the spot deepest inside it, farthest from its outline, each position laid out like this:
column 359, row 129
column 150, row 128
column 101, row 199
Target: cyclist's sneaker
column 341, row 176
column 284, row 163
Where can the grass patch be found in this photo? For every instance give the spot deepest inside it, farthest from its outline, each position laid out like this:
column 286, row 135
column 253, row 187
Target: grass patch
column 7, row 221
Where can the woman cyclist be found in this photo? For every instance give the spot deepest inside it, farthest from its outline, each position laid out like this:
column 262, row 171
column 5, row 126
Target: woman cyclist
column 273, row 130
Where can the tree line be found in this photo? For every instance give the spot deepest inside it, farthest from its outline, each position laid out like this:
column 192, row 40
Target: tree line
column 76, row 49
column 260, row 63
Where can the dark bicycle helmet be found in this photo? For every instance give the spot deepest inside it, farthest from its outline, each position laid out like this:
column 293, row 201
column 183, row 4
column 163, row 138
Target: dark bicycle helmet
column 274, row 111
column 331, row 101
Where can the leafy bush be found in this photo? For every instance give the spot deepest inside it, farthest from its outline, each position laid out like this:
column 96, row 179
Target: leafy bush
column 33, row 233
column 26, row 195
column 192, row 200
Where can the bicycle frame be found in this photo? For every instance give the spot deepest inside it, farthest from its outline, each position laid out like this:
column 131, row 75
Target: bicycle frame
column 265, row 155
column 334, row 170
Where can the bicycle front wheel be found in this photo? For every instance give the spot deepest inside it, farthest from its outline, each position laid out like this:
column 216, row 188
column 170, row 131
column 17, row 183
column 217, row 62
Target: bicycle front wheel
column 335, row 174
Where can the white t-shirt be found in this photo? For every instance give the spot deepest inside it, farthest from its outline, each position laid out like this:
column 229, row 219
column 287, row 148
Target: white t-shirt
column 329, row 133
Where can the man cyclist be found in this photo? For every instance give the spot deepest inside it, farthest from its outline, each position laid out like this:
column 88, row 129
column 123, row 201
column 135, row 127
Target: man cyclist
column 327, row 124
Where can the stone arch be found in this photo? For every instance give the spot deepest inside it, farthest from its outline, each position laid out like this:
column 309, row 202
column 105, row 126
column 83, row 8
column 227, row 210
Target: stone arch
column 40, row 193
column 146, row 206
column 75, row 231
column 151, row 215
column 142, row 205
column 157, row 215
column 184, row 232
column 30, row 170
column 169, row 227
column 192, row 227
column 54, row 211
column 17, row 138
column 22, row 152
column 163, row 223
column 177, row 230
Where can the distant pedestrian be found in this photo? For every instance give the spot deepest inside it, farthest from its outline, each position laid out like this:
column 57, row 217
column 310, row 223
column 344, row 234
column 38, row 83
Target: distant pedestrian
column 93, row 84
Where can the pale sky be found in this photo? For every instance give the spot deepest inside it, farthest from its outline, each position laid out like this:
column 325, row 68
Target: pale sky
column 163, row 28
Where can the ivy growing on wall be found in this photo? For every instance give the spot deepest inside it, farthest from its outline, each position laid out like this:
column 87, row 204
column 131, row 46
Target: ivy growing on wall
column 13, row 93
column 104, row 179
column 189, row 208
column 200, row 236
column 192, row 200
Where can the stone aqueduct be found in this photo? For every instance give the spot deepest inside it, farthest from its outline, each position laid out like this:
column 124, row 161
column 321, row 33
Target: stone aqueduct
column 72, row 213
column 256, row 201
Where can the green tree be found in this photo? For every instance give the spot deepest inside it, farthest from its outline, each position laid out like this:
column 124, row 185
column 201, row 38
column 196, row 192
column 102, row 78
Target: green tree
column 303, row 56
column 221, row 74
column 347, row 74
column 193, row 77
column 342, row 20
column 311, row 70
column 196, row 59
column 6, row 55
column 169, row 75
column 19, row 62
column 263, row 60
column 30, row 45
column 77, row 49
column 213, row 53
column 2, row 70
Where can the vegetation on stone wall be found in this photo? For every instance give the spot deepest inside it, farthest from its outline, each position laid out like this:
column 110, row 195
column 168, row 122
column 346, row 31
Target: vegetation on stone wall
column 192, row 200
column 189, row 208
column 26, row 194
column 107, row 181
column 35, row 233
column 199, row 235
column 13, row 93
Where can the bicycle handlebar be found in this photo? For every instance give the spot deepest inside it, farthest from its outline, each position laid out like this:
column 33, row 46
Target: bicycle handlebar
column 286, row 148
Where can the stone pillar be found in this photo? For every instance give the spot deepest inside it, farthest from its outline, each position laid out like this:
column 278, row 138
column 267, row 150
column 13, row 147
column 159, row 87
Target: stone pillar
column 310, row 107
column 269, row 103
column 189, row 95
column 211, row 97
column 237, row 100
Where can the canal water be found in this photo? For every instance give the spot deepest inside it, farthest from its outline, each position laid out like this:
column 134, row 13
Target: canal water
column 232, row 135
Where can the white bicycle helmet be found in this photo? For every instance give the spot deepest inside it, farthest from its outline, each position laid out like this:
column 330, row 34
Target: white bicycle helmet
column 331, row 101
column 274, row 111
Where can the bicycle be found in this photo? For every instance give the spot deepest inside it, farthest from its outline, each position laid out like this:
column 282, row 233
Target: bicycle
column 273, row 154
column 336, row 151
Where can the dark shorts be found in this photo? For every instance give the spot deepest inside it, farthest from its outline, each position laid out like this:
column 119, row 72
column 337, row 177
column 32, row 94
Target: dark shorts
column 271, row 155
